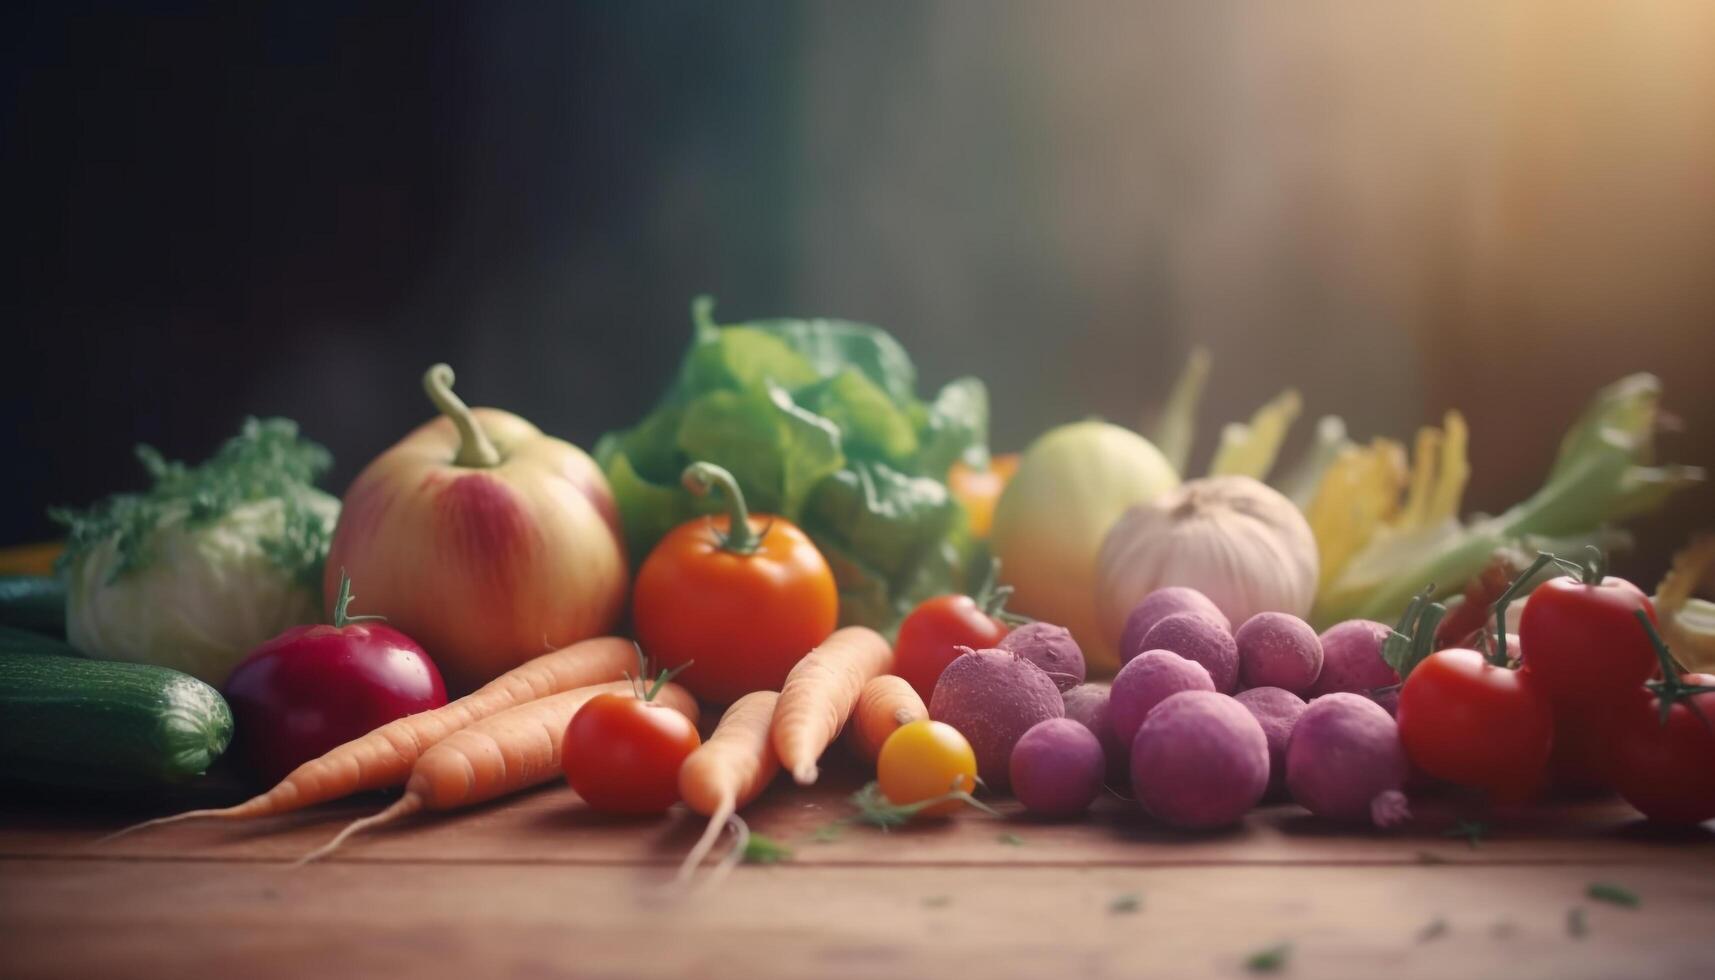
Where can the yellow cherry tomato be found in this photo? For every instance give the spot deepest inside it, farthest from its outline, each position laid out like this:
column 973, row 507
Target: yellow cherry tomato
column 923, row 760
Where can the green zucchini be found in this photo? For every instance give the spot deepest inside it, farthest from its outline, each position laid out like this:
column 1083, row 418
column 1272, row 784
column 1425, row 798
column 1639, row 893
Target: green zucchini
column 33, row 602
column 67, row 721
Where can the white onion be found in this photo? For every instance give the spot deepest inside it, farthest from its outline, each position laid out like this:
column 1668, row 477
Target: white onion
column 1231, row 538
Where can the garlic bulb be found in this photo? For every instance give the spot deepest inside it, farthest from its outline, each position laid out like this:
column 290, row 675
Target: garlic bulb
column 1231, row 538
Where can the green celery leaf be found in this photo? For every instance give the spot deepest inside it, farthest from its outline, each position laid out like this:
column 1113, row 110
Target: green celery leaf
column 889, row 520
column 871, row 425
column 647, row 510
column 652, row 446
column 955, row 426
column 777, row 451
column 831, row 346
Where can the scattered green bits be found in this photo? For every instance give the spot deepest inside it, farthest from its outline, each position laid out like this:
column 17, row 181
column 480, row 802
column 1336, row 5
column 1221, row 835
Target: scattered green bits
column 1434, row 930
column 765, row 850
column 1577, row 923
column 1012, row 840
column 1607, row 891
column 1473, row 831
column 1270, row 960
column 937, row 901
column 1126, row 904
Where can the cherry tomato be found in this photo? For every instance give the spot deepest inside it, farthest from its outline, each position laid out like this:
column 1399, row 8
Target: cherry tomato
column 745, row 606
column 316, row 687
column 1578, row 762
column 925, row 759
column 1469, row 722
column 1667, row 769
column 622, row 754
column 929, row 638
column 977, row 490
column 1585, row 646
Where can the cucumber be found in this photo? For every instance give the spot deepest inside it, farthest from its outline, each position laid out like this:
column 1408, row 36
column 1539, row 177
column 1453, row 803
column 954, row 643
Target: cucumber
column 67, row 721
column 33, row 602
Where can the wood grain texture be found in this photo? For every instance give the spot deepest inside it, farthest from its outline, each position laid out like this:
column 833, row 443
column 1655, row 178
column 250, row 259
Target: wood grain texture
column 537, row 886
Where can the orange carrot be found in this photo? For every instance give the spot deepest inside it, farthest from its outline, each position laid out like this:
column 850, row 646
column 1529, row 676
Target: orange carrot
column 820, row 693
column 384, row 757
column 884, row 704
column 728, row 771
column 504, row 753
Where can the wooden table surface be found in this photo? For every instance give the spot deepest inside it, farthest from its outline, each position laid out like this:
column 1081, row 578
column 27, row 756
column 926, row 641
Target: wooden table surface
column 539, row 886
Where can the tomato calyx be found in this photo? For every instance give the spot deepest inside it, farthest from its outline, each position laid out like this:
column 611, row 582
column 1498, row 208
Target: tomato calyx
column 341, row 616
column 1595, row 564
column 740, row 538
column 1671, row 689
column 1412, row 639
column 875, row 809
column 642, row 686
column 991, row 598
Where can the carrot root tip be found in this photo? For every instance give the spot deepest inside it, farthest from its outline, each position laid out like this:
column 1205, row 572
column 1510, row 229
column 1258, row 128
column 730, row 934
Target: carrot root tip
column 405, row 806
column 160, row 822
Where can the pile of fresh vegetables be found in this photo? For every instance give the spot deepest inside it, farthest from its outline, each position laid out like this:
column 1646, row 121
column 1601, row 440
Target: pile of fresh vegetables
column 836, row 560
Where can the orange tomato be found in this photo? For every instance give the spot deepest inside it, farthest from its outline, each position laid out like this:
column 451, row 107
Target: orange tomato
column 978, row 490
column 741, row 608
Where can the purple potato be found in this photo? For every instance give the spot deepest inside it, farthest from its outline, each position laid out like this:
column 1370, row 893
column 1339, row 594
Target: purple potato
column 1352, row 658
column 1052, row 649
column 1278, row 649
column 1149, row 679
column 1200, row 760
column 1057, row 768
column 1277, row 711
column 1159, row 605
column 993, row 697
column 1345, row 761
column 1200, row 639
column 1087, row 704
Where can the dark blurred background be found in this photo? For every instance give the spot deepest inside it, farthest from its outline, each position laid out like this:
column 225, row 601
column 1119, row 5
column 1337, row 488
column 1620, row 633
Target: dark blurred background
column 215, row 209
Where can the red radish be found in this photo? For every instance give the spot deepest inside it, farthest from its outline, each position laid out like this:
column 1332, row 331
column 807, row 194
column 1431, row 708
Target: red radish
column 1087, row 704
column 1278, row 649
column 1352, row 658
column 1052, row 649
column 1147, row 680
column 1057, row 768
column 1200, row 639
column 992, row 697
column 1277, row 711
column 1158, row 605
column 1200, row 760
column 1345, row 761
column 313, row 688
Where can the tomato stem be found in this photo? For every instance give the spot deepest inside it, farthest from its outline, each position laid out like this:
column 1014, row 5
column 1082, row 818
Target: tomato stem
column 341, row 617
column 1498, row 656
column 1671, row 689
column 640, row 684
column 701, row 479
column 991, row 597
column 1595, row 567
column 474, row 448
column 1413, row 637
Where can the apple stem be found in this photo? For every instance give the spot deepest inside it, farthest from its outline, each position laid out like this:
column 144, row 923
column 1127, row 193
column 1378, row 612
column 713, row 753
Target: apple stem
column 475, row 450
